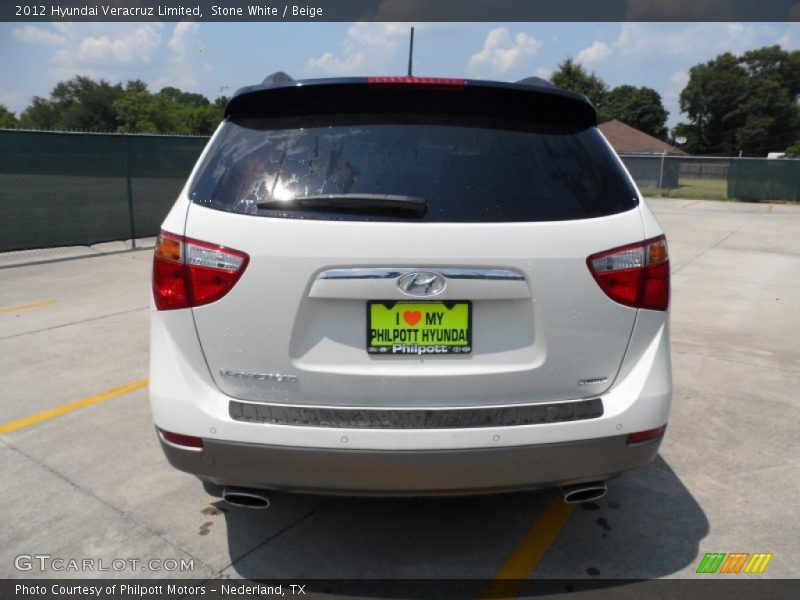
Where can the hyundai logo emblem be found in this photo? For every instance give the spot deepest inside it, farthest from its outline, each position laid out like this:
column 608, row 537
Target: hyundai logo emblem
column 422, row 283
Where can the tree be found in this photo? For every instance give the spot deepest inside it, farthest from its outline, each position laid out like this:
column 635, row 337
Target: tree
column 186, row 112
column 7, row 118
column 169, row 111
column 80, row 103
column 178, row 97
column 638, row 107
column 135, row 85
column 742, row 104
column 84, row 104
column 573, row 77
column 137, row 112
column 711, row 100
column 40, row 114
column 220, row 103
column 772, row 61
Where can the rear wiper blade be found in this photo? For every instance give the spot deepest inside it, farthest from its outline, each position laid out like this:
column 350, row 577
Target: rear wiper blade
column 358, row 203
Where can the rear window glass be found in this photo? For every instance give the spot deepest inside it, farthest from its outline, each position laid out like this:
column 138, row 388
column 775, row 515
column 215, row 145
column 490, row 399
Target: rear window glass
column 465, row 170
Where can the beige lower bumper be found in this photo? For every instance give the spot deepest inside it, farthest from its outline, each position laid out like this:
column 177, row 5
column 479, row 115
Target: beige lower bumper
column 424, row 472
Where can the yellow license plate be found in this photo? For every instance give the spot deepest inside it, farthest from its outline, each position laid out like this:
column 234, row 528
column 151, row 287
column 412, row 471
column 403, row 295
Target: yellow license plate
column 419, row 327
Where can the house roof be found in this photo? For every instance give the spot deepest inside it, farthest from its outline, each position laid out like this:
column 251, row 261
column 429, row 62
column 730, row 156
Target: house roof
column 624, row 138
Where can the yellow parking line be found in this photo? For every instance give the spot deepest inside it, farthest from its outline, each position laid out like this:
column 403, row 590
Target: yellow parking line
column 530, row 551
column 771, row 207
column 22, row 307
column 69, row 407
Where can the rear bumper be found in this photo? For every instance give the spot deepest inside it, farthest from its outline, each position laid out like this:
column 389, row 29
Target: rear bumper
column 403, row 472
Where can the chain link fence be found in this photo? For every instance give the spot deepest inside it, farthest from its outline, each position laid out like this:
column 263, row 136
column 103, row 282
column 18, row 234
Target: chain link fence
column 79, row 189
column 715, row 178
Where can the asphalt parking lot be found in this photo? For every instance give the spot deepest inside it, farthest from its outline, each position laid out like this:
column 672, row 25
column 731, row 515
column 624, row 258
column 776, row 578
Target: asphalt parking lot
column 83, row 476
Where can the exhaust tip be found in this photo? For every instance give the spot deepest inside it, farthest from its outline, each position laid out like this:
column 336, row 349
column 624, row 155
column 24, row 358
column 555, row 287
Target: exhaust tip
column 584, row 492
column 247, row 498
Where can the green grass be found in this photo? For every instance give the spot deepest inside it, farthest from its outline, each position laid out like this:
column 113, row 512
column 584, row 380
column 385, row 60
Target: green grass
column 699, row 189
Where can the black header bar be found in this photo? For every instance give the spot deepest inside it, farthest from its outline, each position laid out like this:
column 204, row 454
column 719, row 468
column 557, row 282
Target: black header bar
column 740, row 588
column 401, row 10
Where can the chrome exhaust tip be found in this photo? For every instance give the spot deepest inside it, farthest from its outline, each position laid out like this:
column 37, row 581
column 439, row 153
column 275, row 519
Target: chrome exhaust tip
column 246, row 497
column 584, row 492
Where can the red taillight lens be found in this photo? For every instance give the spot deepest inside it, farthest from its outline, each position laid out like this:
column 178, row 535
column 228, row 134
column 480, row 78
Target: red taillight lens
column 180, row 439
column 169, row 276
column 439, row 82
column 636, row 275
column 189, row 272
column 642, row 437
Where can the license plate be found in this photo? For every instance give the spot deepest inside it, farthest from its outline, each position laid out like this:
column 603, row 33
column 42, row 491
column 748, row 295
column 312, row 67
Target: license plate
column 419, row 328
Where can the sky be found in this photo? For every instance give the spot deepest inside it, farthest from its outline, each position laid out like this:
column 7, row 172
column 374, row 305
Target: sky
column 217, row 58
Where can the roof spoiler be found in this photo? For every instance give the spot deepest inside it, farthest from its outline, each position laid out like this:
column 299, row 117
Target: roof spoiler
column 534, row 100
column 277, row 77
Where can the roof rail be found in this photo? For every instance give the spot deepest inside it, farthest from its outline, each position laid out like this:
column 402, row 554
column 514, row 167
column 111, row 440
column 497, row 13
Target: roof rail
column 277, row 77
column 537, row 82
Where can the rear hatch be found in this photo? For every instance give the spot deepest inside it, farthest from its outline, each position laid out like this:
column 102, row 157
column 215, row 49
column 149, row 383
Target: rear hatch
column 413, row 245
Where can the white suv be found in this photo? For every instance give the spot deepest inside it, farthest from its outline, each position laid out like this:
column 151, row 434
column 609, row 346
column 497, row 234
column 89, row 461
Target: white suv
column 404, row 285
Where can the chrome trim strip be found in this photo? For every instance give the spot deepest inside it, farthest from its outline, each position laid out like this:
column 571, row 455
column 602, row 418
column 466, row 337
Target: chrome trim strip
column 447, row 272
column 484, row 274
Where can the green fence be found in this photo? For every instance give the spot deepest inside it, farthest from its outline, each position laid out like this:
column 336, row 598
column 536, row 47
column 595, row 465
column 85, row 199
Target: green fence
column 777, row 179
column 715, row 178
column 65, row 189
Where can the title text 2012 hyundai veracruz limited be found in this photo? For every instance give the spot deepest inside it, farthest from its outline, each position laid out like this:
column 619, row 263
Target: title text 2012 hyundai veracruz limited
column 404, row 285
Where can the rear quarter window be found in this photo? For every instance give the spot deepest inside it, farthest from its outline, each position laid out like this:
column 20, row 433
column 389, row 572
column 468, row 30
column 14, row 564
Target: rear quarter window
column 467, row 169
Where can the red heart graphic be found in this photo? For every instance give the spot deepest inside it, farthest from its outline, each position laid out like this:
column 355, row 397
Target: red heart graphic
column 412, row 317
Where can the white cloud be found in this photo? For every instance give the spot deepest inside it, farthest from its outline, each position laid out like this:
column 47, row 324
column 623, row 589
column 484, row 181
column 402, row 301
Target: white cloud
column 183, row 38
column 596, row 53
column 368, row 49
column 544, row 72
column 31, row 34
column 378, row 34
column 138, row 45
column 695, row 40
column 185, row 48
column 790, row 40
column 14, row 101
column 119, row 51
column 672, row 96
column 501, row 52
column 680, row 79
column 103, row 50
column 351, row 64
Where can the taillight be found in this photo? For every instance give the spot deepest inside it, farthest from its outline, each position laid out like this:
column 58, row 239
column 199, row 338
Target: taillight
column 189, row 272
column 437, row 82
column 635, row 275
